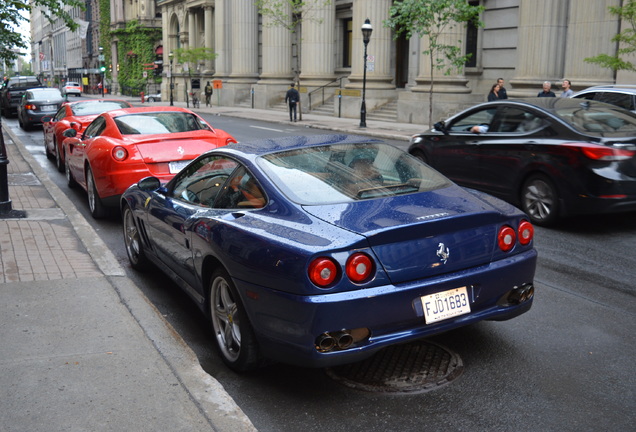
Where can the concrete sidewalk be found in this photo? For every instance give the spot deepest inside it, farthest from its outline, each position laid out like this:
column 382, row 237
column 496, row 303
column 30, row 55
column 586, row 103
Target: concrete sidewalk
column 82, row 349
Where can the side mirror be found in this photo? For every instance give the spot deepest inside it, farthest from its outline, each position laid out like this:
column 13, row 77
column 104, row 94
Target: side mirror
column 70, row 133
column 441, row 126
column 149, row 184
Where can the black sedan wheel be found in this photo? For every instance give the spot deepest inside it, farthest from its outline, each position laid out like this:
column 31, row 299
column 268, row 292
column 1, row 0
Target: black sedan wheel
column 132, row 240
column 232, row 330
column 540, row 200
column 420, row 155
column 94, row 201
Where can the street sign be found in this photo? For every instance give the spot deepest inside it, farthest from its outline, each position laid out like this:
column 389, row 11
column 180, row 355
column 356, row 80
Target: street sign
column 217, row 84
column 145, row 74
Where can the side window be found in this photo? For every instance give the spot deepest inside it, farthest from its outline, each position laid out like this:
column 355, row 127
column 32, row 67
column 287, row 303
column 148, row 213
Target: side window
column 95, row 128
column 618, row 99
column 241, row 191
column 480, row 118
column 61, row 113
column 200, row 182
column 516, row 120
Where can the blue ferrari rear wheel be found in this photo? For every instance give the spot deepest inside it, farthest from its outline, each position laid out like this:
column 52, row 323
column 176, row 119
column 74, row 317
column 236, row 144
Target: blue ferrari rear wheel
column 232, row 331
column 132, row 240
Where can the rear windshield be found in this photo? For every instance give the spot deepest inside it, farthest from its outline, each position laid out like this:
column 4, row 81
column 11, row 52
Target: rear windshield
column 348, row 172
column 97, row 107
column 46, row 94
column 159, row 123
column 23, row 82
column 599, row 119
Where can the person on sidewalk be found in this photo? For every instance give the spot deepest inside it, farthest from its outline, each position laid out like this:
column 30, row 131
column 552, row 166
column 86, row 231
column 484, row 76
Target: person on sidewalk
column 292, row 97
column 208, row 93
column 567, row 91
column 502, row 90
column 494, row 93
column 546, row 92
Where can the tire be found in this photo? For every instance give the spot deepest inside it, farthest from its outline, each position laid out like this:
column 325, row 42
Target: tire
column 70, row 181
column 420, row 155
column 151, row 99
column 58, row 157
column 132, row 241
column 48, row 154
column 540, row 200
column 95, row 205
column 233, row 332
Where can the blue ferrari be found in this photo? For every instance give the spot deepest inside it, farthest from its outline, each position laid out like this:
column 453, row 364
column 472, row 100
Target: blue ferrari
column 321, row 250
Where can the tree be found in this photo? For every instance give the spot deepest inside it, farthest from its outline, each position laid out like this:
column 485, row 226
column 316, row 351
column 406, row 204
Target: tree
column 11, row 40
column 289, row 14
column 192, row 57
column 626, row 40
column 429, row 19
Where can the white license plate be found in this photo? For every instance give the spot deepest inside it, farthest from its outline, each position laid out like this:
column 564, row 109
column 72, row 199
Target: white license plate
column 445, row 304
column 47, row 108
column 177, row 166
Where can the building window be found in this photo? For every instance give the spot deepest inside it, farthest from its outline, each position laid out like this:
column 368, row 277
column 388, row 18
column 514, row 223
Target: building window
column 347, row 42
column 472, row 32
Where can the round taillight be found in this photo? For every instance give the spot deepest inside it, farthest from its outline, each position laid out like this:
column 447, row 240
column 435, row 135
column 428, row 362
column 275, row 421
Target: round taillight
column 526, row 232
column 506, row 238
column 359, row 267
column 323, row 271
column 120, row 153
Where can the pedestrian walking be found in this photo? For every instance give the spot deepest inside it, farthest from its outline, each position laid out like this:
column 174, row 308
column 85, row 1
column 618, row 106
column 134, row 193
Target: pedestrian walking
column 503, row 94
column 292, row 97
column 494, row 93
column 208, row 93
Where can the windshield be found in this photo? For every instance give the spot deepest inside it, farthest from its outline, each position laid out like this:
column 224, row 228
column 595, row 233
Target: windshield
column 159, row 123
column 348, row 172
column 97, row 107
column 602, row 120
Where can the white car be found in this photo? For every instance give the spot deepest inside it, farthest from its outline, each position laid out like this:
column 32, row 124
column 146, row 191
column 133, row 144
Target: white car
column 72, row 88
column 154, row 97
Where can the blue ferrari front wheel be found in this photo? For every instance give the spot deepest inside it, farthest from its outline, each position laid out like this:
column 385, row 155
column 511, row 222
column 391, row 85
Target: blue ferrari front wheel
column 233, row 333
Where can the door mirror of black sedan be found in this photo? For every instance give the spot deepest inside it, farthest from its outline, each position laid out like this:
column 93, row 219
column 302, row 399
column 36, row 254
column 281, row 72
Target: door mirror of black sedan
column 70, row 133
column 441, row 126
column 149, row 184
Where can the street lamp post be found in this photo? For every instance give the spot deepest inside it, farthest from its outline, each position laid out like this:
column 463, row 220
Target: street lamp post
column 102, row 69
column 367, row 29
column 170, row 56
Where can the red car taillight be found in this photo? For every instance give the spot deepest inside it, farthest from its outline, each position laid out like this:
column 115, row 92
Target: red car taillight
column 120, row 153
column 323, row 271
column 359, row 267
column 526, row 232
column 30, row 107
column 602, row 153
column 506, row 238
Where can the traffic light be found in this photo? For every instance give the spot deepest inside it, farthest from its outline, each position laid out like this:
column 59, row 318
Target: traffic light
column 102, row 68
column 158, row 70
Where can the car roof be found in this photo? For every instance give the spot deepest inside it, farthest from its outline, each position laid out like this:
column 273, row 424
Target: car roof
column 138, row 110
column 610, row 88
column 546, row 104
column 265, row 146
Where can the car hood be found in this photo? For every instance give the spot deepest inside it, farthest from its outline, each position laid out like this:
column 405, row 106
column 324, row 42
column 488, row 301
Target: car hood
column 168, row 148
column 422, row 235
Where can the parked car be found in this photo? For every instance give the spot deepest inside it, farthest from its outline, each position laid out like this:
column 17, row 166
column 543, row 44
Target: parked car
column 121, row 147
column 12, row 90
column 154, row 97
column 36, row 104
column 76, row 115
column 623, row 96
column 553, row 157
column 322, row 250
column 72, row 87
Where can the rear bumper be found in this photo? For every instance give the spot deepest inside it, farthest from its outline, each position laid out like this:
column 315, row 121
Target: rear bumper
column 287, row 326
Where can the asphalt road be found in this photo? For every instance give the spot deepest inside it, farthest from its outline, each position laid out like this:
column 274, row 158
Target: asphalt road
column 567, row 365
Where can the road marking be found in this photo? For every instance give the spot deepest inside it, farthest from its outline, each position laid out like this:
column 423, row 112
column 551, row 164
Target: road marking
column 269, row 129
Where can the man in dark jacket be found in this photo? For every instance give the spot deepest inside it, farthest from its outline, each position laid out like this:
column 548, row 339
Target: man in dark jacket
column 292, row 97
column 546, row 90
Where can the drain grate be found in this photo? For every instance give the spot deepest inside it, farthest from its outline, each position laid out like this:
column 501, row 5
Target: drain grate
column 27, row 179
column 408, row 368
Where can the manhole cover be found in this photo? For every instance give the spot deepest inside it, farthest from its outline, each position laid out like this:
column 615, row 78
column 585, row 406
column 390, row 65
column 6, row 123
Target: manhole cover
column 27, row 179
column 408, row 368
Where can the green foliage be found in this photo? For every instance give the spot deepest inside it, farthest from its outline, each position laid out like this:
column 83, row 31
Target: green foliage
column 135, row 49
column 430, row 19
column 104, row 33
column 193, row 56
column 626, row 40
column 289, row 13
column 11, row 18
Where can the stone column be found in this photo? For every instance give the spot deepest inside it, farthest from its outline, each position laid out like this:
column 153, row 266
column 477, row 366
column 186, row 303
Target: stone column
column 585, row 15
column 317, row 58
column 208, row 28
column 276, row 51
column 192, row 28
column 379, row 74
column 244, row 51
column 222, row 41
column 541, row 45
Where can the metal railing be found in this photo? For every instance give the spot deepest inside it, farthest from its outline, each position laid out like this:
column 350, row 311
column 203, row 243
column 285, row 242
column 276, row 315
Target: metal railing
column 322, row 90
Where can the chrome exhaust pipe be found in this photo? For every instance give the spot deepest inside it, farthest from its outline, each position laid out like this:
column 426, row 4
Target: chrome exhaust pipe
column 343, row 339
column 325, row 342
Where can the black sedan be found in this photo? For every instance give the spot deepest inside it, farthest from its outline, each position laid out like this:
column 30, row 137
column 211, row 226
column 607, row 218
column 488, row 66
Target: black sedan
column 38, row 103
column 552, row 157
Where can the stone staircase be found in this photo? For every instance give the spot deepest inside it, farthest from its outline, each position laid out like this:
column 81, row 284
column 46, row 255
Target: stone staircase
column 325, row 109
column 386, row 112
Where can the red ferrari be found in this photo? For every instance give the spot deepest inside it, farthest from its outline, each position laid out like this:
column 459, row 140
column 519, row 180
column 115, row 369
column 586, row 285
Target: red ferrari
column 76, row 115
column 123, row 146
